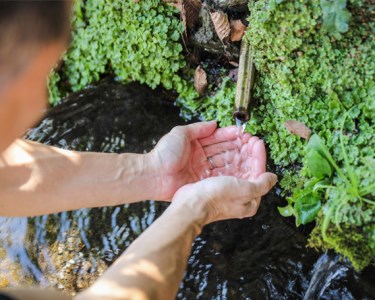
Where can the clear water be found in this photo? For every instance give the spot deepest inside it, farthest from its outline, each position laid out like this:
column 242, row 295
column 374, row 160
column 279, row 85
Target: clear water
column 257, row 258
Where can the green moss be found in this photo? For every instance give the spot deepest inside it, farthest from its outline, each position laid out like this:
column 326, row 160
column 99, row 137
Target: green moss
column 348, row 241
column 134, row 41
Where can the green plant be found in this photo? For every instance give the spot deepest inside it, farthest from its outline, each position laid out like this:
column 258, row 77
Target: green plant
column 135, row 41
column 316, row 64
column 335, row 15
column 216, row 106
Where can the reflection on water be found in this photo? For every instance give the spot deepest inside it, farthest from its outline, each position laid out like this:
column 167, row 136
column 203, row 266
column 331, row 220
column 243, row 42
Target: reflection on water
column 259, row 258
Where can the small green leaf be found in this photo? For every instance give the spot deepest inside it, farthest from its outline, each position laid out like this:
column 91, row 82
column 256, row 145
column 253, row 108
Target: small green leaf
column 286, row 211
column 306, row 209
column 318, row 166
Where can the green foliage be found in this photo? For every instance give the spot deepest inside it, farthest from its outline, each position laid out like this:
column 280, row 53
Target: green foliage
column 136, row 41
column 316, row 64
column 318, row 166
column 53, row 90
column 217, row 106
column 335, row 15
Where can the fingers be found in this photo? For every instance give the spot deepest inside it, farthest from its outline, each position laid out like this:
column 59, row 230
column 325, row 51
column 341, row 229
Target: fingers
column 198, row 130
column 263, row 184
column 259, row 159
column 220, row 135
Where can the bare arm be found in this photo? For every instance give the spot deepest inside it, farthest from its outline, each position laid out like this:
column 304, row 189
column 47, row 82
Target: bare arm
column 153, row 266
column 37, row 179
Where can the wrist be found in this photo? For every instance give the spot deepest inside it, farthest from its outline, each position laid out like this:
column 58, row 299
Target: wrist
column 192, row 205
column 139, row 177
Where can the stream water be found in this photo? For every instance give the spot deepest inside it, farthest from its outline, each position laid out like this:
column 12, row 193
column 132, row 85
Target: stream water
column 257, row 258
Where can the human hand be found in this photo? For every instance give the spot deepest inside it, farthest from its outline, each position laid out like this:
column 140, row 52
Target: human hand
column 197, row 151
column 224, row 197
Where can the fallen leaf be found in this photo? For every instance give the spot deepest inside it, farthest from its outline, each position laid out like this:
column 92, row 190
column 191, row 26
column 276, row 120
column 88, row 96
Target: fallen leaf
column 298, row 128
column 221, row 24
column 190, row 12
column 237, row 30
column 200, row 80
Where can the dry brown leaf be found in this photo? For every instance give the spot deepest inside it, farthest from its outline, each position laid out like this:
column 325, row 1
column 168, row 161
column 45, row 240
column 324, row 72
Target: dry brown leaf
column 298, row 128
column 221, row 24
column 200, row 80
column 190, row 12
column 237, row 30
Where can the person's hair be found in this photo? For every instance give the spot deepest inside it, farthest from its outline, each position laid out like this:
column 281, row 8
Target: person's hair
column 26, row 26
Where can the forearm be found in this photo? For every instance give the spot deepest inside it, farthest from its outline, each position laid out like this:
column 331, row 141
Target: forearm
column 153, row 266
column 37, row 179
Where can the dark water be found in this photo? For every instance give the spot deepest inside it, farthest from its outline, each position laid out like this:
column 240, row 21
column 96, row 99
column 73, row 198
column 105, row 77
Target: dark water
column 260, row 258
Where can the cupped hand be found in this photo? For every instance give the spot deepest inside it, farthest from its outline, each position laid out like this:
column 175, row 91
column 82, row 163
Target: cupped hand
column 221, row 198
column 197, row 151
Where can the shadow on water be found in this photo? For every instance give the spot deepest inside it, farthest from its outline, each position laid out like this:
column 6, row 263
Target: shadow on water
column 259, row 258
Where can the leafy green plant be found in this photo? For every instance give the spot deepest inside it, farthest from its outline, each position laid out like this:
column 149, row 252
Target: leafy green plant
column 347, row 203
column 315, row 68
column 335, row 15
column 134, row 41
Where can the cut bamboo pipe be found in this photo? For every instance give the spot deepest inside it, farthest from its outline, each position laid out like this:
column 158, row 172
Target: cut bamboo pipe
column 245, row 83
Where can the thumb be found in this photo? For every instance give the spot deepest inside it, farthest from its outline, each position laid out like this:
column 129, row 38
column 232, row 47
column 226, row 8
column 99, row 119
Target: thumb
column 264, row 183
column 201, row 129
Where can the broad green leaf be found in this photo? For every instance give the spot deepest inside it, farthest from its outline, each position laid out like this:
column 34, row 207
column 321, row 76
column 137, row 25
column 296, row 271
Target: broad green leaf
column 306, row 209
column 318, row 166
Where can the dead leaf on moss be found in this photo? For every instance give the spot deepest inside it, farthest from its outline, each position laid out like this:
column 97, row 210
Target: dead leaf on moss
column 190, row 12
column 200, row 80
column 298, row 128
column 221, row 24
column 237, row 30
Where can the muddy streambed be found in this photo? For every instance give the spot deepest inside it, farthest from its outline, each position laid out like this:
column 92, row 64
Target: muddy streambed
column 259, row 258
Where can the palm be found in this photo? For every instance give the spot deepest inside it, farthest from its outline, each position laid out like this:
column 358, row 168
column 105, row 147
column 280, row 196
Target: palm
column 183, row 156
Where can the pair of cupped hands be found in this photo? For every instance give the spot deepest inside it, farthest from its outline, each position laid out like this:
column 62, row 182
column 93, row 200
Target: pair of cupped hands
column 219, row 172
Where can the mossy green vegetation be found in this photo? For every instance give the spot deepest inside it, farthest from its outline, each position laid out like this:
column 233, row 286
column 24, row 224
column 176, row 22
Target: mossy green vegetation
column 316, row 64
column 134, row 41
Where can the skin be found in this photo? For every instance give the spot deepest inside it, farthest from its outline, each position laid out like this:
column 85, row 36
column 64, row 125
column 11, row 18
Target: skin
column 37, row 179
